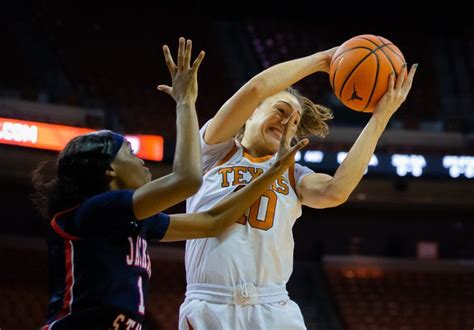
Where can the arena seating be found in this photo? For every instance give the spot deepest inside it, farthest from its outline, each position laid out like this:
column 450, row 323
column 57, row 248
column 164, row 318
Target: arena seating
column 399, row 297
column 24, row 289
column 17, row 78
column 118, row 62
column 368, row 293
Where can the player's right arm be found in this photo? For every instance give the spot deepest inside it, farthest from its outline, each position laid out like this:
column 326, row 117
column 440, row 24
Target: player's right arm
column 186, row 177
column 235, row 112
column 214, row 221
column 321, row 190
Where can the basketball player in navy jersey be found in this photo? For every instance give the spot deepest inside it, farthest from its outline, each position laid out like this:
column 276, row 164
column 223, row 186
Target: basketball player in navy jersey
column 104, row 208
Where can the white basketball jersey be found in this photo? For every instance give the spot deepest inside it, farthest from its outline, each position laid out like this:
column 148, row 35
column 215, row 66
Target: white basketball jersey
column 259, row 247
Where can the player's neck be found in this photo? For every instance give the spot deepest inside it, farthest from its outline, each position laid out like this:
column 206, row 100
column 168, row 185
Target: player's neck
column 114, row 184
column 254, row 150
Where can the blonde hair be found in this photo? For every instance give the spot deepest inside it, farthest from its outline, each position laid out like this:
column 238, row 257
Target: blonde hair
column 313, row 118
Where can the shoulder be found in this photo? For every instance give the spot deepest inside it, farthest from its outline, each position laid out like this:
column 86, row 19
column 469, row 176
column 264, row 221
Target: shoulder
column 107, row 200
column 300, row 171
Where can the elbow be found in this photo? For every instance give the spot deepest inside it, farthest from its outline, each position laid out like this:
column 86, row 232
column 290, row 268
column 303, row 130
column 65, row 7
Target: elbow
column 337, row 199
column 216, row 229
column 335, row 194
column 213, row 232
column 217, row 225
column 194, row 183
column 208, row 227
column 256, row 88
column 189, row 185
column 340, row 199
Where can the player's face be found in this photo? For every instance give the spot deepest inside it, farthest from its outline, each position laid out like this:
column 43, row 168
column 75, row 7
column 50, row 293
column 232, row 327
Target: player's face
column 265, row 128
column 130, row 172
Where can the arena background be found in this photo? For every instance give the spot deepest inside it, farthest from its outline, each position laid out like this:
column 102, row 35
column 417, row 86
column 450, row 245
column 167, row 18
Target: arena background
column 398, row 255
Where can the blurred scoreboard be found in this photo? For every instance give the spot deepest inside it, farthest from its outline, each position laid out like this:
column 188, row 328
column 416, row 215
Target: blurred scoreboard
column 395, row 165
column 151, row 147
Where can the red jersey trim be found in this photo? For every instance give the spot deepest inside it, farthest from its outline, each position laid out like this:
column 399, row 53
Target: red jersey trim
column 58, row 229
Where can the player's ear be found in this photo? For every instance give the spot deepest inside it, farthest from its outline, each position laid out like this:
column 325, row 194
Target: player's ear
column 110, row 171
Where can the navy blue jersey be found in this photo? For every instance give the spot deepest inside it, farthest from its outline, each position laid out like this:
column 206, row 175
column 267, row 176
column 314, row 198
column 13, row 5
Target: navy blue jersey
column 99, row 267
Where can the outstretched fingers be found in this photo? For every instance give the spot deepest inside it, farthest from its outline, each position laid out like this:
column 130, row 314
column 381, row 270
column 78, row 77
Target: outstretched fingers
column 166, row 89
column 297, row 147
column 198, row 60
column 285, row 151
column 409, row 81
column 183, row 75
column 401, row 77
column 391, row 81
column 187, row 54
column 287, row 131
column 169, row 60
column 288, row 157
column 181, row 54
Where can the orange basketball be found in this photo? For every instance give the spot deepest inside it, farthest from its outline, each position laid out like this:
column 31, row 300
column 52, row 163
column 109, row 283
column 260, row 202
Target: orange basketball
column 360, row 69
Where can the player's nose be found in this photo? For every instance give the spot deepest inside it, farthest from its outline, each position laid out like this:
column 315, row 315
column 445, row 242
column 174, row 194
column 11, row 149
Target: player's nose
column 287, row 117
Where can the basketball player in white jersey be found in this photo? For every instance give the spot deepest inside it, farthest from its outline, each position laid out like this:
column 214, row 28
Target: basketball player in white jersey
column 237, row 280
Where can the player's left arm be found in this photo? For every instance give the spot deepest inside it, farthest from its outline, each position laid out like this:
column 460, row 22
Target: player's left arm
column 186, row 176
column 321, row 190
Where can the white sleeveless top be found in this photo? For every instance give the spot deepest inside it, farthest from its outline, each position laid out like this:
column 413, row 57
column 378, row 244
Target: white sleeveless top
column 259, row 248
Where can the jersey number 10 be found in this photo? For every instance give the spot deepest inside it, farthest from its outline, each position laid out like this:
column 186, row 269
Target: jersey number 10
column 262, row 213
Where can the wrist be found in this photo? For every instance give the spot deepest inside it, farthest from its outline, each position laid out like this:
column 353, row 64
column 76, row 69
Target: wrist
column 185, row 101
column 380, row 121
column 319, row 61
column 276, row 169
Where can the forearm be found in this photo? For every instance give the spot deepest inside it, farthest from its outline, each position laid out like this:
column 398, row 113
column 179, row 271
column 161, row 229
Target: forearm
column 225, row 213
column 318, row 191
column 187, row 161
column 237, row 110
column 234, row 206
column 214, row 221
column 351, row 170
column 285, row 74
column 186, row 177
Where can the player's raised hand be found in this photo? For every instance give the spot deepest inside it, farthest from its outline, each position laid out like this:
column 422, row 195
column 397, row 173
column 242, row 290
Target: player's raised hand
column 326, row 58
column 286, row 153
column 397, row 92
column 183, row 74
